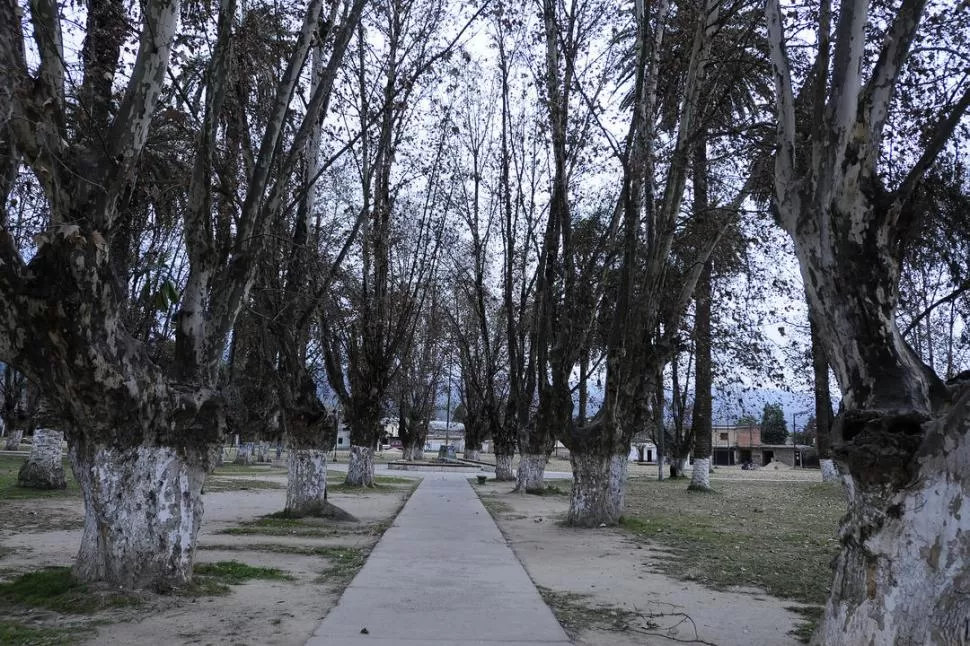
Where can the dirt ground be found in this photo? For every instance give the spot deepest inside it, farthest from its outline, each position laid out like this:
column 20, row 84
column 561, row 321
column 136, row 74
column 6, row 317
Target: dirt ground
column 605, row 588
column 320, row 558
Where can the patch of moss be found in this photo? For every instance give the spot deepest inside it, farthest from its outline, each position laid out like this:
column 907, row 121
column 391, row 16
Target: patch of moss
column 57, row 589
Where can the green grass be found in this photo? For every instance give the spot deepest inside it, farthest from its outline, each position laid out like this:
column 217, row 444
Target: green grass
column 231, row 469
column 779, row 537
column 275, row 526
column 10, row 466
column 381, row 483
column 214, row 579
column 238, row 484
column 577, row 612
column 17, row 634
column 235, row 572
column 345, row 562
column 57, row 589
column 552, row 488
column 276, row 548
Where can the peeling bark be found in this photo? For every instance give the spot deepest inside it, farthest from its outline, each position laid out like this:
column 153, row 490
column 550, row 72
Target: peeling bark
column 904, row 570
column 599, row 487
column 143, row 512
column 503, row 467
column 531, row 473
column 360, row 467
column 306, row 484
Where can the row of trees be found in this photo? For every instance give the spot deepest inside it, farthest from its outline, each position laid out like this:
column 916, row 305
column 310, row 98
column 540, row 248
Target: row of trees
column 215, row 213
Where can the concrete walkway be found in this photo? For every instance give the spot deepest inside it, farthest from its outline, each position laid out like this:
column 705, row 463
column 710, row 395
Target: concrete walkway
column 441, row 575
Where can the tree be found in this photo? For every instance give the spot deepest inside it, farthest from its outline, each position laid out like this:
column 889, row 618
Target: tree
column 902, row 437
column 774, row 428
column 142, row 424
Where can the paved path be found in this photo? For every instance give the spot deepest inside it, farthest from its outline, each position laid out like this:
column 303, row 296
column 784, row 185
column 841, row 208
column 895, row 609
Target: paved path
column 441, row 575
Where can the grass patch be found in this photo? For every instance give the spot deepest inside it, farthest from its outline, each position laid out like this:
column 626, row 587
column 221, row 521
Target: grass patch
column 235, row 572
column 17, row 634
column 237, row 484
column 10, row 467
column 57, row 589
column 345, row 562
column 778, row 536
column 551, row 488
column 275, row 548
column 381, row 484
column 577, row 612
column 494, row 505
column 214, row 579
column 811, row 616
column 231, row 469
column 276, row 526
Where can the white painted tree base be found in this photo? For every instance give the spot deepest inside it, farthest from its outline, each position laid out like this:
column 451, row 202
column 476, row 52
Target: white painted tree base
column 306, row 483
column 503, row 468
column 599, row 489
column 473, row 455
column 903, row 575
column 360, row 467
column 143, row 509
column 44, row 469
column 830, row 473
column 531, row 473
column 700, row 479
column 12, row 441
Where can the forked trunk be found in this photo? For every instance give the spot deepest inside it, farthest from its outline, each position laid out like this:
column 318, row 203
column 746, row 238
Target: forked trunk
column 531, row 473
column 599, row 485
column 903, row 573
column 473, row 454
column 677, row 467
column 360, row 467
column 306, row 484
column 143, row 508
column 700, row 479
column 503, row 467
column 44, row 468
column 830, row 473
column 414, row 453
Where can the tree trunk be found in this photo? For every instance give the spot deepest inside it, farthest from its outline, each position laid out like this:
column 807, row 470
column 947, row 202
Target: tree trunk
column 13, row 440
column 414, row 452
column 473, row 454
column 702, row 416
column 823, row 407
column 531, row 473
column 902, row 576
column 306, row 483
column 44, row 468
column 360, row 467
column 830, row 473
column 143, row 509
column 599, row 485
column 503, row 467
column 700, row 478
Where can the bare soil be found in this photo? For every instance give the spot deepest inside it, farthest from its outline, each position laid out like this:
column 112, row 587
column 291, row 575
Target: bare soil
column 320, row 557
column 607, row 589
